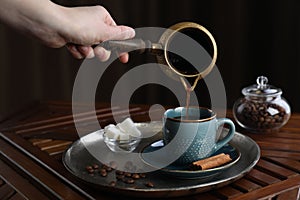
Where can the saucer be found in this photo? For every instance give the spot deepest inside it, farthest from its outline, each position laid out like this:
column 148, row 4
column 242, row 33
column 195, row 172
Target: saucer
column 184, row 172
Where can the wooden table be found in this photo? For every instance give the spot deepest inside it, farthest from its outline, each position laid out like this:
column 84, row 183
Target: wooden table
column 32, row 142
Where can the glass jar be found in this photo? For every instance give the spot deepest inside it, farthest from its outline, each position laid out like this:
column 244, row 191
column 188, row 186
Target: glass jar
column 262, row 109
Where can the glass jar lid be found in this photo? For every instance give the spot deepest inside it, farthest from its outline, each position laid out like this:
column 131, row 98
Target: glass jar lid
column 261, row 89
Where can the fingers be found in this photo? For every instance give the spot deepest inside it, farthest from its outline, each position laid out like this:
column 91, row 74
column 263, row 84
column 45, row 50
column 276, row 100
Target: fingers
column 102, row 54
column 108, row 31
column 123, row 33
column 74, row 51
column 119, row 32
column 80, row 52
column 94, row 26
column 86, row 51
column 124, row 57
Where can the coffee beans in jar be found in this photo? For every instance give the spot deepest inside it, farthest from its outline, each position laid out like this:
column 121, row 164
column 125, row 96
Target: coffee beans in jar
column 262, row 108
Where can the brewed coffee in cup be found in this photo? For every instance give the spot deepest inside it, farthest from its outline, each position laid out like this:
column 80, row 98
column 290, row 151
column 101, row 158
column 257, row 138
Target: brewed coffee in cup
column 195, row 137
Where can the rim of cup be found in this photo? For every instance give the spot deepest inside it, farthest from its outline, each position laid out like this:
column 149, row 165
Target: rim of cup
column 212, row 115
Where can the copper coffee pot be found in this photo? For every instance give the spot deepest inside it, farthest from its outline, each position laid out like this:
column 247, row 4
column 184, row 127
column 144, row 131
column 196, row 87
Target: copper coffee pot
column 161, row 49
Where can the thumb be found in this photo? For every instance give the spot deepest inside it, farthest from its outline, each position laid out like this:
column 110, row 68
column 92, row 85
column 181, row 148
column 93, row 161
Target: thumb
column 119, row 33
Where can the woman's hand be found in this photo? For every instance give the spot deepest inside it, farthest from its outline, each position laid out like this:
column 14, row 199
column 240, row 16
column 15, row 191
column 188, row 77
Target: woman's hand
column 78, row 28
column 93, row 26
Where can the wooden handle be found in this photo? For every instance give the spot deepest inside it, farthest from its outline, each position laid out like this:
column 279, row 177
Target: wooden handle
column 126, row 45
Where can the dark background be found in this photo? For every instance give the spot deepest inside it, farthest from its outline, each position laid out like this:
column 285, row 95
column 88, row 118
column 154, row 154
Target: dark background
column 254, row 38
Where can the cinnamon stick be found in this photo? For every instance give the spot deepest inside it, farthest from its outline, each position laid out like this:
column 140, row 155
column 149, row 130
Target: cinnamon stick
column 211, row 162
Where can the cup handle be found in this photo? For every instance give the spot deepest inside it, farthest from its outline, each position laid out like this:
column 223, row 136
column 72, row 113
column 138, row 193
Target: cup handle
column 229, row 135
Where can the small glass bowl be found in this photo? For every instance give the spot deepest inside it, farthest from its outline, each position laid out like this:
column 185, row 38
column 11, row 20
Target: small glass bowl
column 117, row 145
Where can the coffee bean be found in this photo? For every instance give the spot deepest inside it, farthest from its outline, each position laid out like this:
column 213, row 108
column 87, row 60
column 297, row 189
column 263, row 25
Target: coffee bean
column 135, row 176
column 149, row 184
column 142, row 175
column 261, row 119
column 119, row 172
column 261, row 108
column 124, row 176
column 127, row 174
column 103, row 173
column 120, row 177
column 129, row 181
column 260, row 115
column 95, row 166
column 109, row 169
column 112, row 183
column 91, row 171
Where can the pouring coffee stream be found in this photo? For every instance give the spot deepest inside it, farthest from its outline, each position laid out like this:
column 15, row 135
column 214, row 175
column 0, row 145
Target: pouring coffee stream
column 177, row 66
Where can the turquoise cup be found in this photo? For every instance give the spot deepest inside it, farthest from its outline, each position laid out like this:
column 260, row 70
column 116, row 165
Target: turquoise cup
column 192, row 135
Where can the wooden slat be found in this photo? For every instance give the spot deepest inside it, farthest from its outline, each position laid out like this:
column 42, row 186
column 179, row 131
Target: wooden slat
column 17, row 196
column 280, row 154
column 53, row 144
column 35, row 141
column 288, row 163
column 275, row 170
column 292, row 147
column 271, row 191
column 246, row 185
column 55, row 119
column 228, row 192
column 27, row 190
column 33, row 170
column 261, row 178
column 57, row 150
column 6, row 191
column 50, row 163
column 66, row 134
column 291, row 194
column 278, row 138
column 70, row 121
column 206, row 196
column 292, row 129
column 22, row 114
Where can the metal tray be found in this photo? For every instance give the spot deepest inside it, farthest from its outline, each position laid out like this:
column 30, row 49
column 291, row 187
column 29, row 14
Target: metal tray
column 77, row 157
